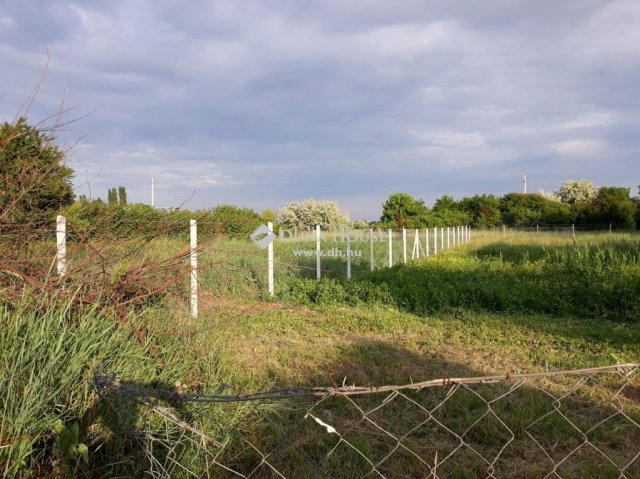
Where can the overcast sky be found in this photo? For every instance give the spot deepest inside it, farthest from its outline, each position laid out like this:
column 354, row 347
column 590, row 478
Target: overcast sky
column 261, row 102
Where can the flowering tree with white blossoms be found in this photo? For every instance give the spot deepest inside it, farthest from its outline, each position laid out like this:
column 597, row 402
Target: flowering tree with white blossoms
column 577, row 191
column 304, row 215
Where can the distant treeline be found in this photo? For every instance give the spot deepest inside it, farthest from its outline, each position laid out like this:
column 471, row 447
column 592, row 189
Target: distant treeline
column 607, row 206
column 35, row 185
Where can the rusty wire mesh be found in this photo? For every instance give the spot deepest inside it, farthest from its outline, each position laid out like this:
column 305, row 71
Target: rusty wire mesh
column 568, row 424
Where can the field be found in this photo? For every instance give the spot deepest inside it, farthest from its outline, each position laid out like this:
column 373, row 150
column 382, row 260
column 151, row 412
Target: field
column 501, row 305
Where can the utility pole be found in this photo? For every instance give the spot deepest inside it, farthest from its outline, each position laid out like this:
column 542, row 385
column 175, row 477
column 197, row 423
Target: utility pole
column 524, row 181
column 153, row 193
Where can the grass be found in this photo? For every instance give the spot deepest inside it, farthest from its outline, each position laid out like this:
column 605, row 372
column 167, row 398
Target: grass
column 520, row 303
column 46, row 362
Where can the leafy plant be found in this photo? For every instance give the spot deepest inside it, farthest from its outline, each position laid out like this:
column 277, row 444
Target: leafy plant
column 68, row 442
column 34, row 182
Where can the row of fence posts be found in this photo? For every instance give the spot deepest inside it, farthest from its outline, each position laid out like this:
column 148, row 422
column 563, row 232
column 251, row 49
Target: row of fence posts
column 455, row 235
column 61, row 258
column 573, row 230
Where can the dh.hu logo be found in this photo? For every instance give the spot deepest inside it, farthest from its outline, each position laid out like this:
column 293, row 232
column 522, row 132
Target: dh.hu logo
column 263, row 236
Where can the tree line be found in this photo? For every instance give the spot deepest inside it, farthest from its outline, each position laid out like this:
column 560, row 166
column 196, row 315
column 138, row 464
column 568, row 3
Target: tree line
column 577, row 202
column 35, row 184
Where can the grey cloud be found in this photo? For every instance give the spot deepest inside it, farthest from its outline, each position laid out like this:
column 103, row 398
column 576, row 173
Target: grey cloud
column 260, row 102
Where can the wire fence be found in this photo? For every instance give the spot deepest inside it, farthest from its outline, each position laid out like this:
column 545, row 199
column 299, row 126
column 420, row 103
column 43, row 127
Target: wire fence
column 566, row 424
column 566, row 228
column 121, row 263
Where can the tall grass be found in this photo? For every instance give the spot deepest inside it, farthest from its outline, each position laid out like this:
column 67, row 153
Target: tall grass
column 47, row 362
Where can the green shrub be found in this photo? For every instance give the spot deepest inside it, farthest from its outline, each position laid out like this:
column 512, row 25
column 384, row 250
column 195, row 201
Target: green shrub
column 331, row 291
column 227, row 221
column 95, row 219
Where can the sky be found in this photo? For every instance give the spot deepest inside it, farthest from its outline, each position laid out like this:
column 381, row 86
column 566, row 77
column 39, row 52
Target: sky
column 261, row 102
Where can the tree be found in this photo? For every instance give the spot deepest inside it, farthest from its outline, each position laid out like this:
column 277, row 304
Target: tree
column 447, row 212
column 110, row 197
column 613, row 205
column 577, row 191
column 484, row 210
column 308, row 213
column 550, row 195
column 122, row 196
column 34, row 181
column 403, row 210
column 445, row 202
column 519, row 209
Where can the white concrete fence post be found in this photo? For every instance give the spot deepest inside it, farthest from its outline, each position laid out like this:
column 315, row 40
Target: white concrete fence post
column 435, row 240
column 348, row 253
column 318, row 252
column 426, row 241
column 442, row 238
column 404, row 245
column 371, row 257
column 61, row 246
column 193, row 236
column 270, row 262
column 448, row 238
column 390, row 234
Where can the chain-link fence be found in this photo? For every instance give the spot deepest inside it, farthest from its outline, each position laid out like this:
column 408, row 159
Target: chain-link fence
column 568, row 424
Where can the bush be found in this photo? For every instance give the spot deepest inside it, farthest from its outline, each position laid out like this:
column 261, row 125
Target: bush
column 331, row 291
column 95, row 219
column 34, row 182
column 90, row 219
column 139, row 219
column 228, row 221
